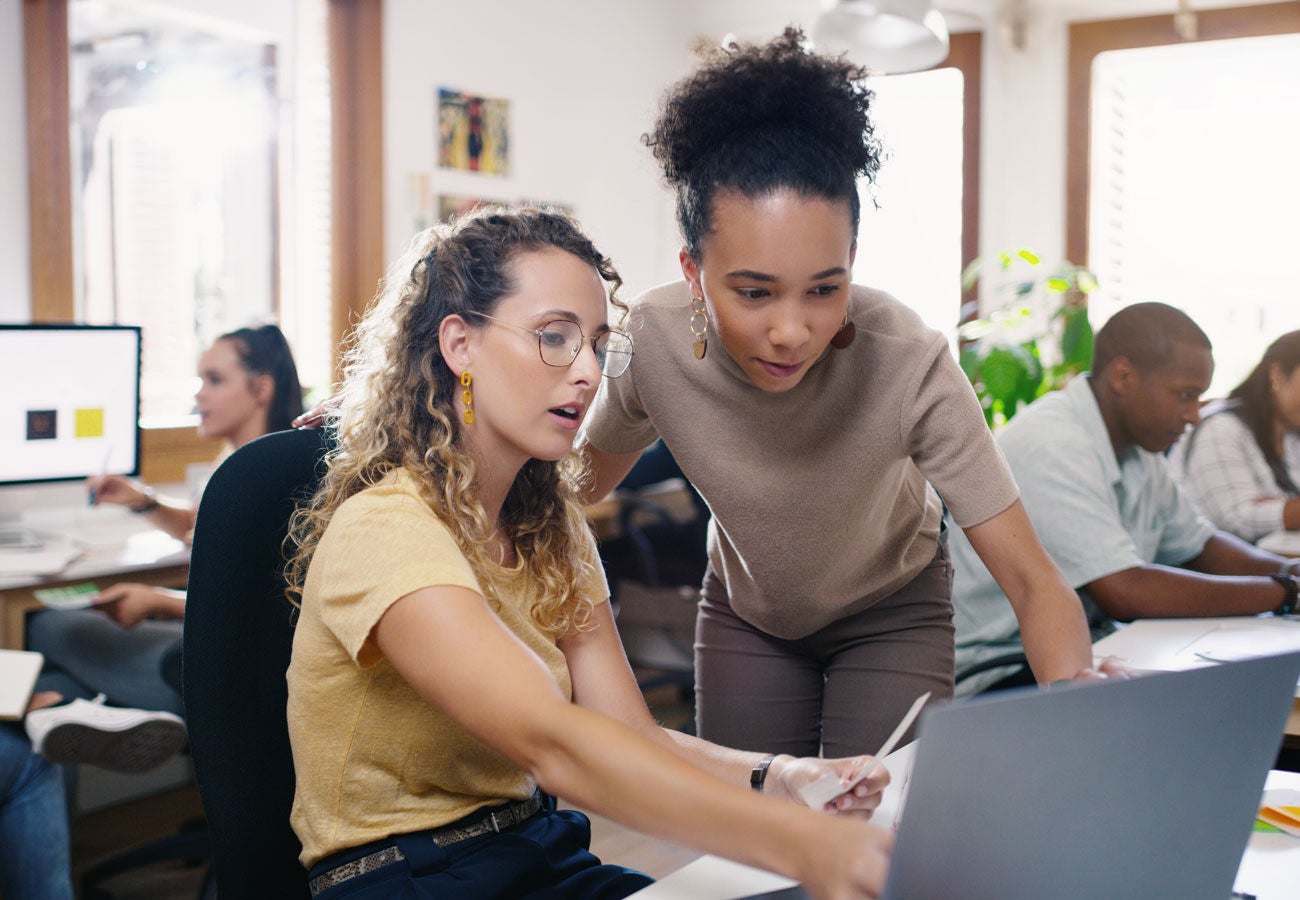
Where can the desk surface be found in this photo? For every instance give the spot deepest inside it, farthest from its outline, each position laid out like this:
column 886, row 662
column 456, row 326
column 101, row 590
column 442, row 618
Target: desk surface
column 149, row 556
column 1174, row 644
column 1268, row 867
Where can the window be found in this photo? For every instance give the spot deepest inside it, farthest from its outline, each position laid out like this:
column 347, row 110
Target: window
column 925, row 230
column 1192, row 191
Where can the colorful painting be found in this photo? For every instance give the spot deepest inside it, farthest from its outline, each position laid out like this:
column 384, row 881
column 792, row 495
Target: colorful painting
column 473, row 133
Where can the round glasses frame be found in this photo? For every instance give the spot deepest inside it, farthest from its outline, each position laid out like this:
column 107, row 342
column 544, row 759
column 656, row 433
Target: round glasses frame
column 559, row 342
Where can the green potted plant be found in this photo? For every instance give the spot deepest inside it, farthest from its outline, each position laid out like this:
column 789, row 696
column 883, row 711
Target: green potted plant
column 1035, row 335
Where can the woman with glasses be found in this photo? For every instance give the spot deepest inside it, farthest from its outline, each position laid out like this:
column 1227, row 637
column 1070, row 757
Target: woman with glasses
column 821, row 421
column 455, row 654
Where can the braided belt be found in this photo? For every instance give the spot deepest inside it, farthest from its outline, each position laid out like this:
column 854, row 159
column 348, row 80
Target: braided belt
column 445, row 836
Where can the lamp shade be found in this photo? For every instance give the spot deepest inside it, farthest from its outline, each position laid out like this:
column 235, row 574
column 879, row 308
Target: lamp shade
column 890, row 36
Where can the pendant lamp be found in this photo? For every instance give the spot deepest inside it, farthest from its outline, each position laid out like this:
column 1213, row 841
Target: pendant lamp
column 888, row 36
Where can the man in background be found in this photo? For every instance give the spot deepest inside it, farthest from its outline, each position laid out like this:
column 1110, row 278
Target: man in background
column 1092, row 473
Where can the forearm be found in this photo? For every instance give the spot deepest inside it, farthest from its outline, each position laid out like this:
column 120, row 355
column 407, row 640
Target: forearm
column 1053, row 628
column 170, row 604
column 1226, row 554
column 724, row 763
column 1149, row 592
column 1056, row 639
column 602, row 766
column 172, row 517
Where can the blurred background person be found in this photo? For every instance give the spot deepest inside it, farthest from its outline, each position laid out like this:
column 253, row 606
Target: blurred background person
column 1241, row 464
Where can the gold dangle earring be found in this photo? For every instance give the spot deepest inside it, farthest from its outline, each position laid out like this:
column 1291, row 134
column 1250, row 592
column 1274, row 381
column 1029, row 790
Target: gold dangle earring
column 699, row 327
column 848, row 331
column 467, row 396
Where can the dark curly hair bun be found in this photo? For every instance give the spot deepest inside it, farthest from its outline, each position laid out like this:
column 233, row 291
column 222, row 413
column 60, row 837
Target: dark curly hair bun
column 757, row 118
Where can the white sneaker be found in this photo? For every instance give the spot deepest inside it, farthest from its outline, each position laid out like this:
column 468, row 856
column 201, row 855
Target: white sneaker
column 111, row 737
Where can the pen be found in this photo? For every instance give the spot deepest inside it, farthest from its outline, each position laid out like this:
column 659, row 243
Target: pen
column 103, row 470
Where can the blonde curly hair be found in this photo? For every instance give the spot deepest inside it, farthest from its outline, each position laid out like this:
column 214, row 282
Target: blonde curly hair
column 397, row 409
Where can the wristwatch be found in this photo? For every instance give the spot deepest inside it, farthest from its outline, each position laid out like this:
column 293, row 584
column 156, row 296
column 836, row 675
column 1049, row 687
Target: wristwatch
column 759, row 776
column 1292, row 587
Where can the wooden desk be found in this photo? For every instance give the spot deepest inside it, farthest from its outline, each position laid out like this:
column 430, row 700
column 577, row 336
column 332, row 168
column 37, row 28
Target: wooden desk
column 1174, row 644
column 149, row 557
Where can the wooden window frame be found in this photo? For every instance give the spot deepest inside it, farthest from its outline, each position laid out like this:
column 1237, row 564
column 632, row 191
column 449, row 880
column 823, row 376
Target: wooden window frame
column 357, row 241
column 1088, row 39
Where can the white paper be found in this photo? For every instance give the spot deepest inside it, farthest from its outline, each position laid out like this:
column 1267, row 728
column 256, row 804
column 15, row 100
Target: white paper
column 828, row 787
column 18, row 671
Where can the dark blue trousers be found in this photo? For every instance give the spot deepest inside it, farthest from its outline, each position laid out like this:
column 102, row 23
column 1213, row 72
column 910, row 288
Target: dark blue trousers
column 543, row 858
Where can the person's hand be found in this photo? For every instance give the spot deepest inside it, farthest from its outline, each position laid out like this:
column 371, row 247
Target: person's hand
column 846, row 858
column 788, row 774
column 43, row 699
column 316, row 416
column 116, row 489
column 128, row 604
column 1110, row 668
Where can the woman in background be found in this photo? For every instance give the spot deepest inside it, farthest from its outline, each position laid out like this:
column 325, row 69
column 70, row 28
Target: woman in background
column 249, row 387
column 1241, row 464
column 455, row 650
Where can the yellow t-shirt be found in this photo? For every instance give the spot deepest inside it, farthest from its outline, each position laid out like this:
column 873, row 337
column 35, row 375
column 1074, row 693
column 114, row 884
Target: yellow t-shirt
column 372, row 757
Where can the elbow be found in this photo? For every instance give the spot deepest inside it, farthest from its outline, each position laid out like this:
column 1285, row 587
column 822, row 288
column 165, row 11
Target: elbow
column 549, row 759
column 1116, row 605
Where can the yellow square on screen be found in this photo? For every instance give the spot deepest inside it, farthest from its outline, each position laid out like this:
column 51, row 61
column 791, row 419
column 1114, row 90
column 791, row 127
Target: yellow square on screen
column 88, row 423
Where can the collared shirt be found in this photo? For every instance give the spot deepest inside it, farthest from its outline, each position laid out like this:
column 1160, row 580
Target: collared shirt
column 1225, row 473
column 1096, row 515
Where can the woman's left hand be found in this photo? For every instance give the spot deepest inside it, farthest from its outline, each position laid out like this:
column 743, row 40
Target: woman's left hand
column 788, row 774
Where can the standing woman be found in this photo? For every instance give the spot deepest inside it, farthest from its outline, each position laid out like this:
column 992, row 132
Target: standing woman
column 455, row 649
column 1241, row 464
column 817, row 418
column 248, row 387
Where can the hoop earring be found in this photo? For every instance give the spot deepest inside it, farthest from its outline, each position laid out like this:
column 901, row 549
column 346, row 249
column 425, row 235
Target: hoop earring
column 699, row 327
column 467, row 396
column 848, row 331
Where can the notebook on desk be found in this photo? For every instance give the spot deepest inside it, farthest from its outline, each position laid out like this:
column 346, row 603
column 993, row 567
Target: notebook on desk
column 1141, row 788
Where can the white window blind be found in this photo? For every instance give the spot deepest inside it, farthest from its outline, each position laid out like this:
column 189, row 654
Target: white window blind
column 1194, row 189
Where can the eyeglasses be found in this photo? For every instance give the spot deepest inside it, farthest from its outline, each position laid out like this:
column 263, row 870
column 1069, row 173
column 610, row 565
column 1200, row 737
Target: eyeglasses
column 560, row 341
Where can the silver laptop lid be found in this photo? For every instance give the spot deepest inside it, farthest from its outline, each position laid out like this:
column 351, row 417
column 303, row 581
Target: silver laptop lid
column 1141, row 788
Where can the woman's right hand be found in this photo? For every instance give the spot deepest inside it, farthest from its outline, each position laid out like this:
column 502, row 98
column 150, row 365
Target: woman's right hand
column 116, row 489
column 316, row 416
column 845, row 858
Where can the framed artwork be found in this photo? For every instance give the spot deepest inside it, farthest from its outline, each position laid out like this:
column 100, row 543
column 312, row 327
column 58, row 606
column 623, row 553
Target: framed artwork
column 473, row 133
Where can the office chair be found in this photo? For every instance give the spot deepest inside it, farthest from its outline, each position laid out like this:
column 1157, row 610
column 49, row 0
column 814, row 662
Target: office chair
column 655, row 566
column 237, row 639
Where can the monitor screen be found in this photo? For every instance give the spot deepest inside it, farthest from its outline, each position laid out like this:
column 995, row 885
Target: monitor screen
column 70, row 402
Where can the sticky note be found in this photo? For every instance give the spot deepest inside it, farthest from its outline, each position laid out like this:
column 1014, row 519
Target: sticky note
column 88, row 423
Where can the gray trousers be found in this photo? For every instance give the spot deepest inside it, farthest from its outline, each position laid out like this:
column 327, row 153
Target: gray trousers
column 837, row 692
column 87, row 653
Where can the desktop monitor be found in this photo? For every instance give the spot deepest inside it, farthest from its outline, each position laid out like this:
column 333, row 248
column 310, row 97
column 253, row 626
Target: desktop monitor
column 70, row 403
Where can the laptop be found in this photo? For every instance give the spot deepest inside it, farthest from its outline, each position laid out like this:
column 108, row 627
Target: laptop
column 1139, row 788
column 18, row 672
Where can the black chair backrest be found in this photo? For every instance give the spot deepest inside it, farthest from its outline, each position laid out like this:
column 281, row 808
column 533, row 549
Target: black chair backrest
column 237, row 639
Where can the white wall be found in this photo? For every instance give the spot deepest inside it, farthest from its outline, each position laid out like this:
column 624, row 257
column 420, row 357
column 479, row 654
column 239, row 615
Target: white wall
column 583, row 78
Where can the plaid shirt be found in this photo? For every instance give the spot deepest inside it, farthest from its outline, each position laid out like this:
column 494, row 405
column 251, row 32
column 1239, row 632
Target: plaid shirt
column 1223, row 470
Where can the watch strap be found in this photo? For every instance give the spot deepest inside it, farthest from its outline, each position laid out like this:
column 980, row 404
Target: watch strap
column 1292, row 587
column 759, row 776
